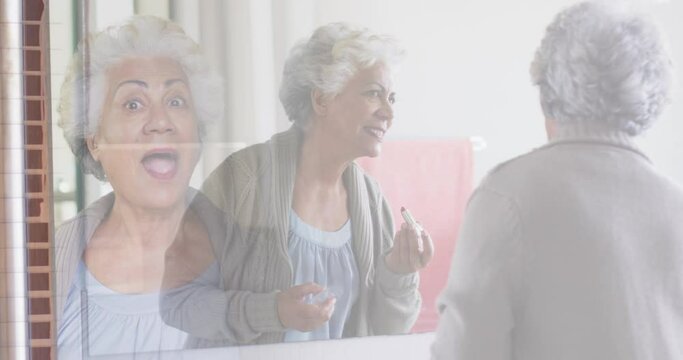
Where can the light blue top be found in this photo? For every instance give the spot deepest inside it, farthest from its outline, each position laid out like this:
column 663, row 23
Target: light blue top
column 325, row 258
column 116, row 323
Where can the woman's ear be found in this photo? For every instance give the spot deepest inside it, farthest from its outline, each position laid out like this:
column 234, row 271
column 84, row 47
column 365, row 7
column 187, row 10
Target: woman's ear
column 319, row 101
column 93, row 147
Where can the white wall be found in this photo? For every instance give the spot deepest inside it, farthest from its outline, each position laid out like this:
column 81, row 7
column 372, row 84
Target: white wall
column 466, row 73
column 664, row 142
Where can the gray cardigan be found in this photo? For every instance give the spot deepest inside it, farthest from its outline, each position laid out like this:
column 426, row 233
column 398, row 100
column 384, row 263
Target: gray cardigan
column 254, row 188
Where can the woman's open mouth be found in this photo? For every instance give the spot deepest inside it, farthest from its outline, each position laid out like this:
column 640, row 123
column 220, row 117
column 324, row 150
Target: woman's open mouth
column 161, row 164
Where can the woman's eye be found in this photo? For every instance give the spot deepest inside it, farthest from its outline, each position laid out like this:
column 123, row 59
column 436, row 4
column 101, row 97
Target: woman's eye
column 392, row 99
column 373, row 93
column 133, row 105
column 176, row 102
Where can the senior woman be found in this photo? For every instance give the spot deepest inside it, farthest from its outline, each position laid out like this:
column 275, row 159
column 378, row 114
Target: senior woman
column 317, row 257
column 573, row 251
column 134, row 106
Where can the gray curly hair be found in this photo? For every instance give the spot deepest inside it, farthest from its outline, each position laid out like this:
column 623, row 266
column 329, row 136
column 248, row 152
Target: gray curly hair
column 601, row 65
column 327, row 61
column 84, row 89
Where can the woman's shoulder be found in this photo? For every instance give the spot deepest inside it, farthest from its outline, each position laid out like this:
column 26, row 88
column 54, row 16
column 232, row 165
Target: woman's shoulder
column 367, row 184
column 212, row 218
column 247, row 161
column 87, row 218
column 237, row 174
column 255, row 161
column 370, row 181
column 71, row 239
column 257, row 158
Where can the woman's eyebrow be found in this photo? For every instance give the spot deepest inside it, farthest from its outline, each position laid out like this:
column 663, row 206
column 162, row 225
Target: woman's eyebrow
column 170, row 82
column 133, row 82
column 143, row 84
column 376, row 83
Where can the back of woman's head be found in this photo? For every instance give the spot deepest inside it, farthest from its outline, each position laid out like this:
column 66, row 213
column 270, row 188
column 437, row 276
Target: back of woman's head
column 603, row 66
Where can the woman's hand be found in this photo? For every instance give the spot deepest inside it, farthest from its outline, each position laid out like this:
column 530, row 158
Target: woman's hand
column 411, row 251
column 296, row 314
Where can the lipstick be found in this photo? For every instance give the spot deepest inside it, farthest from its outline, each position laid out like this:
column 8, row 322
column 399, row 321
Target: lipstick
column 411, row 221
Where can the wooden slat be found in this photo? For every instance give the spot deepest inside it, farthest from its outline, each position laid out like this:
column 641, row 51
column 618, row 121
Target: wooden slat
column 45, row 245
column 40, row 318
column 39, row 294
column 42, row 342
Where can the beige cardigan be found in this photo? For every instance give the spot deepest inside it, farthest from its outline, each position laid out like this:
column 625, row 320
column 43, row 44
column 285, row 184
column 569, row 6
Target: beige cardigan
column 254, row 187
column 572, row 251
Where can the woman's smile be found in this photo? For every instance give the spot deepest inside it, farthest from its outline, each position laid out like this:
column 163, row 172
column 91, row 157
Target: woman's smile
column 375, row 132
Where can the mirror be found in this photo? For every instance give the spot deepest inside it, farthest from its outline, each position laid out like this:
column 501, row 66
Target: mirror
column 445, row 136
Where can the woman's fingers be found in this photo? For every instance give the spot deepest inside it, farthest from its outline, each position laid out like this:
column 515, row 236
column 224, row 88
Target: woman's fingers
column 414, row 259
column 405, row 244
column 314, row 316
column 412, row 250
column 327, row 308
column 300, row 291
column 396, row 248
column 310, row 312
column 428, row 252
column 296, row 314
column 420, row 242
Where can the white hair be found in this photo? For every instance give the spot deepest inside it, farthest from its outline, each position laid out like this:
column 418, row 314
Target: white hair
column 84, row 89
column 327, row 61
column 603, row 66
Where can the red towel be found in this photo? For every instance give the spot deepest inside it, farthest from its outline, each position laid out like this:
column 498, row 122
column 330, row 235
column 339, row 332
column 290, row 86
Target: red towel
column 433, row 180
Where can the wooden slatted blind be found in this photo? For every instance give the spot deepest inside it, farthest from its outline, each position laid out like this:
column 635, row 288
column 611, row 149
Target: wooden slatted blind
column 38, row 188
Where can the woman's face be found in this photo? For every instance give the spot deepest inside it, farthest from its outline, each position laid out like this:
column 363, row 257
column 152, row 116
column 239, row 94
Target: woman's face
column 362, row 112
column 148, row 140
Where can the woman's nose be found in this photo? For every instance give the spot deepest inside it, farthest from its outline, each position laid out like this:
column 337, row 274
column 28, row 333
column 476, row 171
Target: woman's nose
column 158, row 121
column 386, row 111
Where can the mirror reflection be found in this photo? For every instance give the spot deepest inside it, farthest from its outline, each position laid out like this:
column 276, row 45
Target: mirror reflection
column 288, row 240
column 133, row 109
column 256, row 172
column 312, row 254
